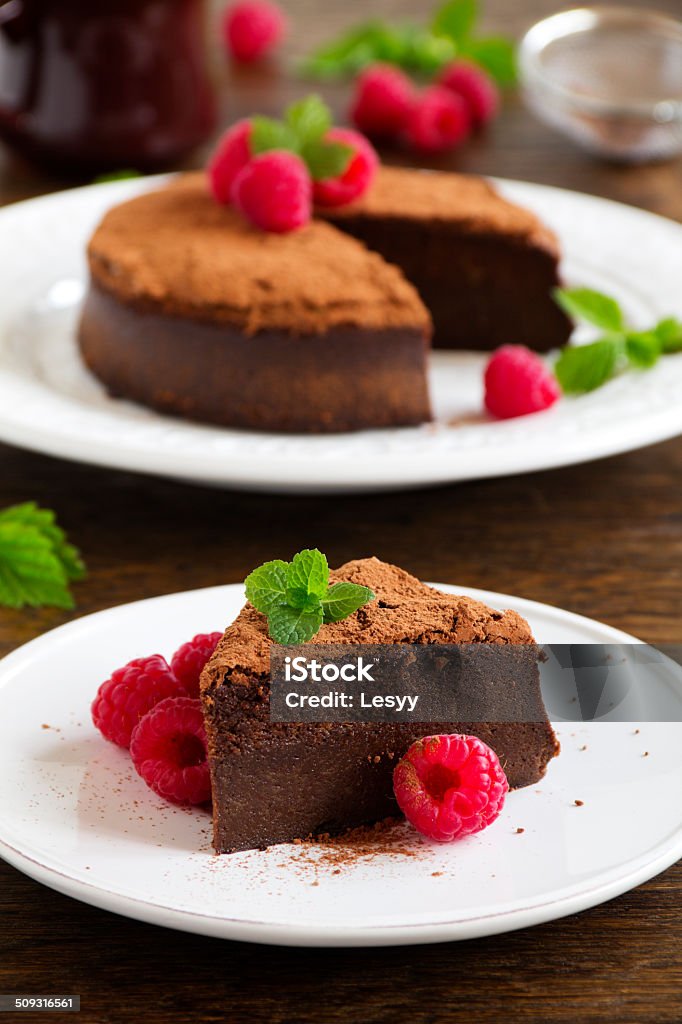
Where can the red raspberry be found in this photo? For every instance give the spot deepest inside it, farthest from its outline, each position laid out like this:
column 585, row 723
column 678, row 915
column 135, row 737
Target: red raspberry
column 439, row 121
column 168, row 749
column 274, row 191
column 384, row 97
column 518, row 382
column 450, row 786
column 357, row 177
column 476, row 88
column 132, row 690
column 251, row 28
column 189, row 660
column 231, row 154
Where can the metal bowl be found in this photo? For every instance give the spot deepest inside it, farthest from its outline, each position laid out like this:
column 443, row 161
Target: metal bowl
column 608, row 77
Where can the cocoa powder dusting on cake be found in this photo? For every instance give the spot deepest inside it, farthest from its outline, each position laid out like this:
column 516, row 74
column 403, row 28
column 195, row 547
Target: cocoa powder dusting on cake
column 177, row 251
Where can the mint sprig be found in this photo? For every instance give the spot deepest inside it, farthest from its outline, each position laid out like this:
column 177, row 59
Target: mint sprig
column 303, row 131
column 296, row 596
column 584, row 368
column 37, row 563
column 419, row 49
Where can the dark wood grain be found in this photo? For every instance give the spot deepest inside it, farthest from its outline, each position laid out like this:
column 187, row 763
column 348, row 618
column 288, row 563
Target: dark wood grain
column 603, row 539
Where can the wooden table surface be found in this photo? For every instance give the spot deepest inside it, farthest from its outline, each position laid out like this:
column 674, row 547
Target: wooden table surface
column 603, row 539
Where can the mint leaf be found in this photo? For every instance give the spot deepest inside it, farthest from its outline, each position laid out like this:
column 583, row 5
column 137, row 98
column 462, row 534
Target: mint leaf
column 296, row 596
column 326, row 159
column 309, row 119
column 643, row 349
column 584, row 368
column 30, row 570
column 425, row 54
column 342, row 599
column 494, row 54
column 308, row 575
column 36, row 561
column 29, row 514
column 294, row 625
column 669, row 334
column 266, row 586
column 353, row 50
column 268, row 134
column 455, row 19
column 586, row 304
column 121, row 175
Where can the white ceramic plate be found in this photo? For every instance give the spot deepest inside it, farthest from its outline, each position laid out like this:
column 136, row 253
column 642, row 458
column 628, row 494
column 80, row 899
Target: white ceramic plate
column 48, row 402
column 74, row 815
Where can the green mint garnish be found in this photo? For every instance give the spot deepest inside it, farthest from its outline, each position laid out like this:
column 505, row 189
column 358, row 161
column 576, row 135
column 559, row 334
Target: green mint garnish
column 296, row 596
column 669, row 334
column 595, row 308
column 303, row 132
column 37, row 563
column 121, row 175
column 584, row 368
column 419, row 49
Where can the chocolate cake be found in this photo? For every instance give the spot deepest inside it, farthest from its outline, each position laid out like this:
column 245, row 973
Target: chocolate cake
column 276, row 782
column 193, row 312
column 484, row 267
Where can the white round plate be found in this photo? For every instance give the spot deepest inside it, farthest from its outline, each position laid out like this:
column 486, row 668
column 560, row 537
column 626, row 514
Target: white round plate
column 75, row 816
column 48, row 402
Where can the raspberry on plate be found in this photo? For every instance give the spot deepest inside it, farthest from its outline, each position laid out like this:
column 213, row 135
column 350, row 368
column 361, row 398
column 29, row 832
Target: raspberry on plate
column 130, row 693
column 384, row 97
column 231, row 154
column 188, row 661
column 357, row 177
column 274, row 191
column 475, row 87
column 438, row 122
column 518, row 382
column 251, row 28
column 168, row 748
column 450, row 786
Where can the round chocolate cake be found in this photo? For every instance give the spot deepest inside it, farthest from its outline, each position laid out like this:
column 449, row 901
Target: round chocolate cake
column 193, row 312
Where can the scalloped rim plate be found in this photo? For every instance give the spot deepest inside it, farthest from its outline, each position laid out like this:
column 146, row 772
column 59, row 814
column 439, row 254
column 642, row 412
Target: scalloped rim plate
column 49, row 403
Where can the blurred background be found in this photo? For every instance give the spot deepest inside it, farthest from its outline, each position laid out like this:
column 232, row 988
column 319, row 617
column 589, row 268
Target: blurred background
column 515, row 144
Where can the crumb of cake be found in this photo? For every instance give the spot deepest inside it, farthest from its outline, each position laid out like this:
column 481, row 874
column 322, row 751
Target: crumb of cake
column 645, row 754
column 584, row 747
column 579, row 803
column 436, row 874
column 520, row 831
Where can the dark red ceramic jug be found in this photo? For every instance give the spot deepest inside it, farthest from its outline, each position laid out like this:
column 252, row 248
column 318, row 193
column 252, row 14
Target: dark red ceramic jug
column 96, row 85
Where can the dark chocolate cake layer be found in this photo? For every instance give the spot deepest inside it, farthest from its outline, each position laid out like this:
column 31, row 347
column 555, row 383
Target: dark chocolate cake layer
column 278, row 782
column 484, row 267
column 351, row 379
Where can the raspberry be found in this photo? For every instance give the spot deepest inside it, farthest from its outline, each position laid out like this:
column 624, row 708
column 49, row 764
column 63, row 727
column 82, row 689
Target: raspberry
column 476, row 88
column 130, row 693
column 357, row 177
column 274, row 191
column 231, row 154
column 439, row 121
column 251, row 28
column 517, row 382
column 168, row 749
column 384, row 97
column 450, row 786
column 189, row 660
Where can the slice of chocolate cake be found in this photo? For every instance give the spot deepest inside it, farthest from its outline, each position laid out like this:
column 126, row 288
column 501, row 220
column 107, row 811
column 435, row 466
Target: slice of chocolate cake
column 484, row 267
column 275, row 782
column 193, row 312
